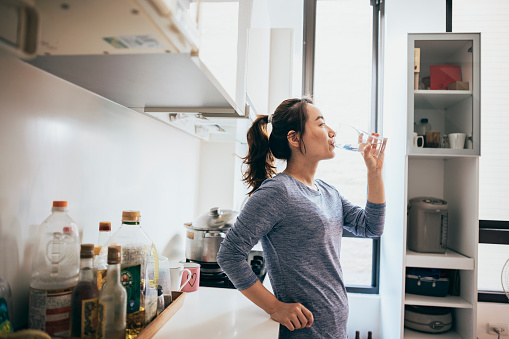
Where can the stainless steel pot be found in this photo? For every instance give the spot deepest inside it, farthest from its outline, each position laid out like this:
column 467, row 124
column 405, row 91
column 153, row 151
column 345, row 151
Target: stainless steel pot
column 205, row 233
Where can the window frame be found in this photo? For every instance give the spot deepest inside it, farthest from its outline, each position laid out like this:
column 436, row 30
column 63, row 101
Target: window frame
column 309, row 26
column 493, row 232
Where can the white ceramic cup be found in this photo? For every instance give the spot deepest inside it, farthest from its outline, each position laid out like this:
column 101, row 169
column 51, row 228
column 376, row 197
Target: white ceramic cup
column 176, row 271
column 416, row 140
column 457, row 140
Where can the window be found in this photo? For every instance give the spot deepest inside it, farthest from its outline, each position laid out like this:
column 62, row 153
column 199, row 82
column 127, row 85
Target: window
column 490, row 18
column 338, row 73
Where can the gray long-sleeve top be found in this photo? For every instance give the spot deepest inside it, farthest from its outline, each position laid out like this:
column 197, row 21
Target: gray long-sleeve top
column 300, row 231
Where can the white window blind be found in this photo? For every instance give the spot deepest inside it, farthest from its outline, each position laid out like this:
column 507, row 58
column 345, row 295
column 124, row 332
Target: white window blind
column 490, row 18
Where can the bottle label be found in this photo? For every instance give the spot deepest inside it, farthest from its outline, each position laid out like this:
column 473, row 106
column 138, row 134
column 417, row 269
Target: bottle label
column 130, row 278
column 100, row 320
column 5, row 323
column 101, row 278
column 89, row 318
column 50, row 311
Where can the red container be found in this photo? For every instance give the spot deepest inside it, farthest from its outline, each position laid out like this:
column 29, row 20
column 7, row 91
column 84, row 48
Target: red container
column 442, row 75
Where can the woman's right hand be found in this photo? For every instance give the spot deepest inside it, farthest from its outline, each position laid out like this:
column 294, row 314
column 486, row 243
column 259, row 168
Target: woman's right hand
column 294, row 316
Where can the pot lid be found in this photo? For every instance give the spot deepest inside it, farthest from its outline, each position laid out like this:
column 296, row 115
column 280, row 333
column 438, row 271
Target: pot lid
column 215, row 219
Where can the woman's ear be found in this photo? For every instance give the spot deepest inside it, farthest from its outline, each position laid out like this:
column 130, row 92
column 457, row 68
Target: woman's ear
column 293, row 139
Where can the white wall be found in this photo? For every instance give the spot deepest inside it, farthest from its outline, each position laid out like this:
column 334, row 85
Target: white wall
column 490, row 313
column 401, row 17
column 59, row 142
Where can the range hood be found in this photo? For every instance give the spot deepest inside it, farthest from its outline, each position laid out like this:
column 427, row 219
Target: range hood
column 142, row 54
column 156, row 82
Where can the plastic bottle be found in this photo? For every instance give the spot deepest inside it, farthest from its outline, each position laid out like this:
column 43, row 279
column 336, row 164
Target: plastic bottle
column 104, row 235
column 5, row 307
column 85, row 297
column 137, row 252
column 113, row 300
column 55, row 271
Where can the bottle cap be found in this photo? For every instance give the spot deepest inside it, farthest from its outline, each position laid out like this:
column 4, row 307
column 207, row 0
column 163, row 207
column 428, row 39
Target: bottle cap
column 59, row 203
column 105, row 226
column 425, row 120
column 131, row 216
column 87, row 251
column 114, row 255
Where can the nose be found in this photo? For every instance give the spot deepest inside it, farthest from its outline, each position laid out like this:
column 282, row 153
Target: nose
column 332, row 133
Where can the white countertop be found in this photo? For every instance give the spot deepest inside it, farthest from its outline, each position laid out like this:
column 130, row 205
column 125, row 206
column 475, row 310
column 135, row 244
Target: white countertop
column 219, row 313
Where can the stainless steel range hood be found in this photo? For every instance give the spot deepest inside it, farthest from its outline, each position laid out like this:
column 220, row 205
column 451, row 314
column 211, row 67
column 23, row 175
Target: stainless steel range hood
column 142, row 54
column 168, row 82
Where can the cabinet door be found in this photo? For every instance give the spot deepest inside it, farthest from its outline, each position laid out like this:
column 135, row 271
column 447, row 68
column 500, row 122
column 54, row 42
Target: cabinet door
column 451, row 63
column 223, row 45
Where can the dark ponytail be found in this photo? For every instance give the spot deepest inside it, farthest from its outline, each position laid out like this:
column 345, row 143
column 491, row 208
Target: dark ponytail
column 290, row 115
column 259, row 159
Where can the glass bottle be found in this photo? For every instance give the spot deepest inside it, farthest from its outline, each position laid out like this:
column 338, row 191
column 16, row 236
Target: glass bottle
column 137, row 252
column 85, row 297
column 104, row 235
column 370, row 335
column 357, row 335
column 5, row 307
column 55, row 270
column 113, row 300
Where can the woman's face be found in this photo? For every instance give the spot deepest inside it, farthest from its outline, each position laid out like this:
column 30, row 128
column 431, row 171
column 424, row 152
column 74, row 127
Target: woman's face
column 318, row 138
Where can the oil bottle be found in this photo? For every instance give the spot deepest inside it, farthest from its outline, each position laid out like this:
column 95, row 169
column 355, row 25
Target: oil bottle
column 137, row 252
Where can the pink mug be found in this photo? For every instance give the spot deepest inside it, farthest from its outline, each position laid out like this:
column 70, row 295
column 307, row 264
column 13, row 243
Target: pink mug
column 194, row 282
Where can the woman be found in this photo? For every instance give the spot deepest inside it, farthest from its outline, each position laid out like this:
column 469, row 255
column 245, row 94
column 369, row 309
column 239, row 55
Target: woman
column 300, row 222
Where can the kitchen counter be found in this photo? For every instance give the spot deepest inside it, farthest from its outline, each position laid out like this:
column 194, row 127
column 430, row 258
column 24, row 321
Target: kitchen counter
column 219, row 313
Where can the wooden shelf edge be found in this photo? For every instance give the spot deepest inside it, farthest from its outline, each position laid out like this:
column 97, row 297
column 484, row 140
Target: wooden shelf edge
column 155, row 325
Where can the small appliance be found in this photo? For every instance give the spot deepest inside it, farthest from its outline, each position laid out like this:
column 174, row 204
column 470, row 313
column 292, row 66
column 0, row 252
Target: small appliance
column 428, row 318
column 427, row 225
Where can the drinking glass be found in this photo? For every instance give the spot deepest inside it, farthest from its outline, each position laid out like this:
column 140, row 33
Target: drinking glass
column 351, row 138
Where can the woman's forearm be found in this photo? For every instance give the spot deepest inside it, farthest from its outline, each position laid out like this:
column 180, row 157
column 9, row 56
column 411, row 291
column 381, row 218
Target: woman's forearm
column 261, row 297
column 376, row 191
column 293, row 316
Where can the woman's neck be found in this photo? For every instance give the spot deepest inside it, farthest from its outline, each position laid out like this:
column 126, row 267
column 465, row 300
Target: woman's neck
column 302, row 171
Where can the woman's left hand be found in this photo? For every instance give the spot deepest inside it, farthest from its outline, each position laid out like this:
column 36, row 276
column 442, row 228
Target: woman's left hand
column 373, row 164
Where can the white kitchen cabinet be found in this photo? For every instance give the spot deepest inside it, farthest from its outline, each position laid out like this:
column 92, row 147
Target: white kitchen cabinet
column 445, row 173
column 448, row 111
column 147, row 55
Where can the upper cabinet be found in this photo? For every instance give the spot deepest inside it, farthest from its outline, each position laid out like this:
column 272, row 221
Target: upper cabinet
column 150, row 55
column 445, row 91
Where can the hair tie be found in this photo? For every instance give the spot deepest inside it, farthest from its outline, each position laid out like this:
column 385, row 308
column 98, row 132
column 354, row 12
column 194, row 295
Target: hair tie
column 269, row 124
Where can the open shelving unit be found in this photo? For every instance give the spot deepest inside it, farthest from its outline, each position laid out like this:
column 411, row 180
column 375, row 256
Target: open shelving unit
column 445, row 173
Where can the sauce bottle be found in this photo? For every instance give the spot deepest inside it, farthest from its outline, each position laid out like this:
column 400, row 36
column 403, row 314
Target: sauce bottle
column 85, row 297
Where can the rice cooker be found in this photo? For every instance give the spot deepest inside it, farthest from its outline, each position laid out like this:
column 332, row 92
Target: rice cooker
column 205, row 234
column 427, row 225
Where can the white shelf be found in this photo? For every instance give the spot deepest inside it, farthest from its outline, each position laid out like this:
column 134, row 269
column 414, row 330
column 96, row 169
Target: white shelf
column 441, row 153
column 449, row 260
column 448, row 301
column 409, row 334
column 439, row 99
